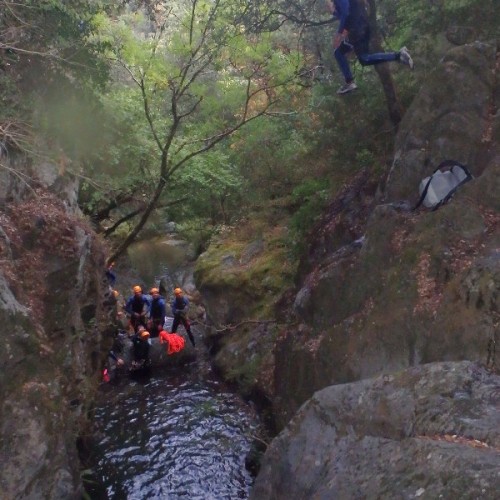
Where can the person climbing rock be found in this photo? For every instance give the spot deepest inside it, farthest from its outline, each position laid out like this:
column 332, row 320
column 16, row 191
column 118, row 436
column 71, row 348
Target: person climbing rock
column 115, row 359
column 111, row 275
column 141, row 347
column 121, row 316
column 137, row 307
column 157, row 313
column 180, row 307
column 353, row 34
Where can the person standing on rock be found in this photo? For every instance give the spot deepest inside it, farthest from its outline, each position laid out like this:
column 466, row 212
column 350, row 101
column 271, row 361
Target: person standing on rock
column 180, row 307
column 353, row 34
column 157, row 313
column 137, row 307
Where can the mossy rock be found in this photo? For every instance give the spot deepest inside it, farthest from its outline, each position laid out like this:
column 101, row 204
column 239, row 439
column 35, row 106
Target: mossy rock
column 246, row 285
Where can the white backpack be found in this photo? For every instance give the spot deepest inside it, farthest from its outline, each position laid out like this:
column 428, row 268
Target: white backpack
column 438, row 188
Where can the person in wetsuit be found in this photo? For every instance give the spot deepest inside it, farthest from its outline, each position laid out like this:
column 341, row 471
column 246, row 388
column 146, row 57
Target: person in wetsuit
column 137, row 307
column 157, row 313
column 111, row 275
column 141, row 347
column 180, row 307
column 115, row 357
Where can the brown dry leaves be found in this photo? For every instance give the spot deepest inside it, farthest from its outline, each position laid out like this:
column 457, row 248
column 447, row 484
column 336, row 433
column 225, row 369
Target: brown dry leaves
column 312, row 345
column 463, row 254
column 39, row 230
column 456, row 439
column 429, row 293
column 400, row 238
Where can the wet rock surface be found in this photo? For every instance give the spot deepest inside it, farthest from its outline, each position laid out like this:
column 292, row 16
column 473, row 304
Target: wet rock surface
column 431, row 431
column 421, row 286
column 55, row 329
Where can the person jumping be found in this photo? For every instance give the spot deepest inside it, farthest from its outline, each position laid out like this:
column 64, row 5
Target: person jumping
column 353, row 34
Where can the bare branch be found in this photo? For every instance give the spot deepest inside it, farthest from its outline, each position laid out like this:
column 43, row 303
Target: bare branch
column 136, row 212
column 191, row 24
column 259, row 439
column 16, row 134
column 230, row 328
column 183, row 105
column 21, row 176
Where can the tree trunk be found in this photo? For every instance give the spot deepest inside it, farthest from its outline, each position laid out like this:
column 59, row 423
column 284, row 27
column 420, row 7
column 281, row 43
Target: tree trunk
column 394, row 106
column 137, row 229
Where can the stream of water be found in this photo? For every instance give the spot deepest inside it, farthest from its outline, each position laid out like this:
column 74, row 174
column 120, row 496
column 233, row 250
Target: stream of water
column 177, row 434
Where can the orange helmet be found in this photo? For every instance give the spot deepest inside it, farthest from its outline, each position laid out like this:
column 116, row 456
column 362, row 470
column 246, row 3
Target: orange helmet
column 144, row 334
column 154, row 290
column 178, row 291
column 116, row 293
column 137, row 289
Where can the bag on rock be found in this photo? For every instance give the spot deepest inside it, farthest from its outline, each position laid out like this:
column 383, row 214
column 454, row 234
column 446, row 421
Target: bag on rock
column 439, row 188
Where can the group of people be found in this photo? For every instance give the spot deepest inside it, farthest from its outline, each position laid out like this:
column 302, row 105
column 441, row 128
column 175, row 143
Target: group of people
column 147, row 317
column 150, row 311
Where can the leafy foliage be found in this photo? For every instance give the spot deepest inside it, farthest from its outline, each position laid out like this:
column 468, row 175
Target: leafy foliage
column 49, row 74
column 161, row 93
column 199, row 77
column 269, row 153
column 311, row 198
column 213, row 184
column 424, row 18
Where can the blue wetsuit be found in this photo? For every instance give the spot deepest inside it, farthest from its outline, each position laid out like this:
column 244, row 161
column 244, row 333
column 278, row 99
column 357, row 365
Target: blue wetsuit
column 157, row 313
column 137, row 307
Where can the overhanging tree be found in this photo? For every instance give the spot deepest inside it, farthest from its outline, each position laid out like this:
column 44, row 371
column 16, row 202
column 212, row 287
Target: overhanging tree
column 200, row 76
column 43, row 49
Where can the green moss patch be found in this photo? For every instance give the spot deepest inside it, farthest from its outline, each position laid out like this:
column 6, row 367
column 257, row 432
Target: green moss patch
column 257, row 280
